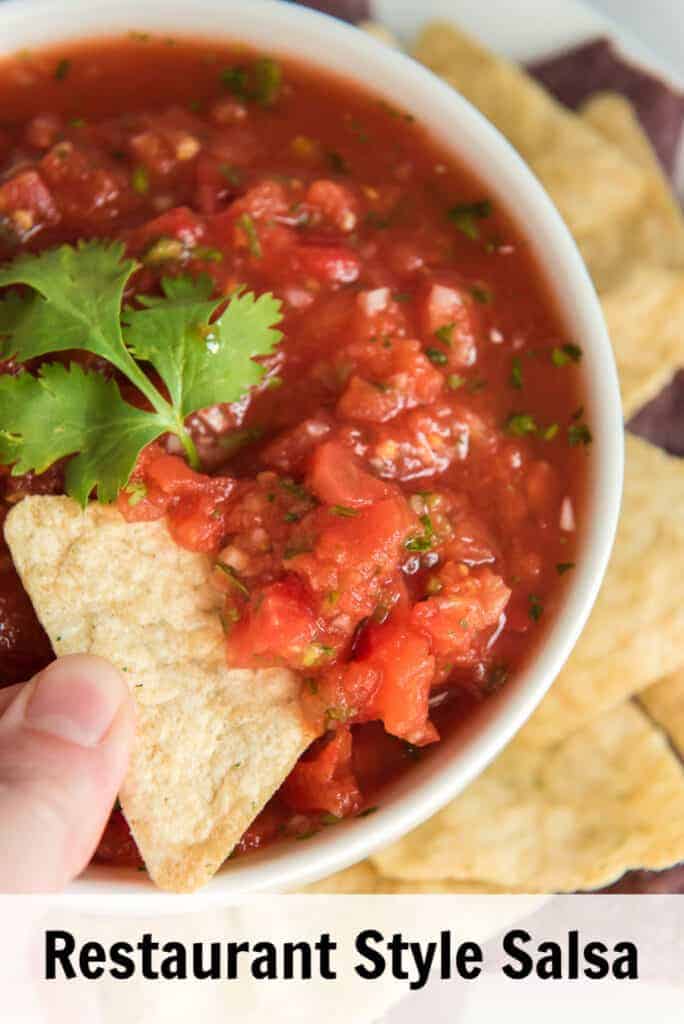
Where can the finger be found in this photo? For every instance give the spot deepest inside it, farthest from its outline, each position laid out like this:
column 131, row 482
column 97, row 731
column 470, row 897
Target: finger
column 7, row 695
column 65, row 739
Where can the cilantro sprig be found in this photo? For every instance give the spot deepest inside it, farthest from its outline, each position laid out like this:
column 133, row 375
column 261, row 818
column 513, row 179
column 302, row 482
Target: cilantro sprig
column 71, row 299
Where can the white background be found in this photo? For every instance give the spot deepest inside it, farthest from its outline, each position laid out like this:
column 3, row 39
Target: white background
column 658, row 24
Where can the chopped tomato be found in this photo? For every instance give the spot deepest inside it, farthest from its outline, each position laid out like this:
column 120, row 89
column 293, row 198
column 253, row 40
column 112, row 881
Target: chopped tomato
column 28, row 204
column 279, row 626
column 458, row 617
column 402, row 658
column 336, row 478
column 450, row 321
column 324, row 780
column 328, row 263
column 333, row 203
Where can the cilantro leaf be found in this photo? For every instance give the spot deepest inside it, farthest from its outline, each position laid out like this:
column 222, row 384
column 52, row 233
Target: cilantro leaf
column 200, row 361
column 71, row 299
column 69, row 411
column 76, row 302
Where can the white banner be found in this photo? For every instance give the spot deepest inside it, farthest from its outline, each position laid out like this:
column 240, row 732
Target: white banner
column 333, row 959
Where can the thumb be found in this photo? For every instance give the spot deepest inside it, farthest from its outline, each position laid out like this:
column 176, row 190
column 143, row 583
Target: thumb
column 65, row 738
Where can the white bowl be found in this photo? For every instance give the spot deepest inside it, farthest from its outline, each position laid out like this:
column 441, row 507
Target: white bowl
column 285, row 29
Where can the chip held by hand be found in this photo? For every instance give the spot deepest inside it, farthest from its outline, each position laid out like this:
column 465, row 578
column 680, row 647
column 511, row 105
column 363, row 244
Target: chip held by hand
column 213, row 743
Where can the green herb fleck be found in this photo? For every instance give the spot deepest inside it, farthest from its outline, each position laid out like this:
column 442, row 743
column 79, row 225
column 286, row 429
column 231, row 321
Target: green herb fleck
column 516, row 378
column 520, row 424
column 62, row 70
column 232, row 575
column 579, row 433
column 268, row 80
column 423, row 541
column 140, row 180
column 337, row 162
column 135, row 491
column 436, row 356
column 536, row 608
column 481, row 294
column 249, row 228
column 563, row 567
column 455, row 381
column 344, row 511
column 466, row 216
column 564, row 354
column 550, row 432
column 232, row 174
column 445, row 334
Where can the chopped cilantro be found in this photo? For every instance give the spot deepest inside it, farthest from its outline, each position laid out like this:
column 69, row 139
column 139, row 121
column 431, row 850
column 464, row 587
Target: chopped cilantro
column 423, row 541
column 563, row 567
column 536, row 608
column 455, row 381
column 344, row 511
column 261, row 82
column 232, row 575
column 234, row 79
column 466, row 216
column 445, row 334
column 579, row 433
column 62, row 70
column 519, row 424
column 247, row 224
column 337, row 162
column 71, row 299
column 516, row 378
column 232, row 174
column 481, row 294
column 295, row 489
column 564, row 354
column 268, row 80
column 376, row 220
column 140, row 180
column 550, row 432
column 436, row 356
column 135, row 491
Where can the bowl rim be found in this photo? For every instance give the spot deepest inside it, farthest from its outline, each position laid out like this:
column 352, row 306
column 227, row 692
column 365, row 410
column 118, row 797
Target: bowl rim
column 326, row 43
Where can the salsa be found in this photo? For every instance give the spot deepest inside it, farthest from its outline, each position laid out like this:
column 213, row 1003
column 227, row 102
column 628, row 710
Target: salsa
column 392, row 511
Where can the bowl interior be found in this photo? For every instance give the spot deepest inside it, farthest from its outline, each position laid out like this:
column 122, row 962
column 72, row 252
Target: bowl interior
column 284, row 29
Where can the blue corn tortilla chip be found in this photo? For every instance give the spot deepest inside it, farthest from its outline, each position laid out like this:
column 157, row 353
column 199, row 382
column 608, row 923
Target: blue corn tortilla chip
column 576, row 74
column 348, row 10
column 662, row 421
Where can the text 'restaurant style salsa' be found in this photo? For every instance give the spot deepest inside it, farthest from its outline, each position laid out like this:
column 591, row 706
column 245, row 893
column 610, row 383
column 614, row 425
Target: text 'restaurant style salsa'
column 393, row 508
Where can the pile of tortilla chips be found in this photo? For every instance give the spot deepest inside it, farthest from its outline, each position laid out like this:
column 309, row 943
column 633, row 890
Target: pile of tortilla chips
column 593, row 785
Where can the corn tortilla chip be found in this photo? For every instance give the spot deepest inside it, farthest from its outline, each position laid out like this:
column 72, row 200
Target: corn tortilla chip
column 213, row 744
column 364, row 878
column 664, row 702
column 645, row 319
column 573, row 816
column 634, row 635
column 658, row 233
column 596, row 188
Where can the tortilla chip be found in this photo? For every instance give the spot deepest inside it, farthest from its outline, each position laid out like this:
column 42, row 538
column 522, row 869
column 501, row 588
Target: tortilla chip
column 365, row 879
column 634, row 635
column 381, row 33
column 596, row 188
column 572, row 816
column 645, row 319
column 664, row 703
column 213, row 744
column 657, row 233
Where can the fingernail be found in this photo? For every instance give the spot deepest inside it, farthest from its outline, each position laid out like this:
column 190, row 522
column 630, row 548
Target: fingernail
column 75, row 699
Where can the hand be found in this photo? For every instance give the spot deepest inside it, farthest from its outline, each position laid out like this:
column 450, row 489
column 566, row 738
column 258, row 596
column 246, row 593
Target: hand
column 65, row 739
